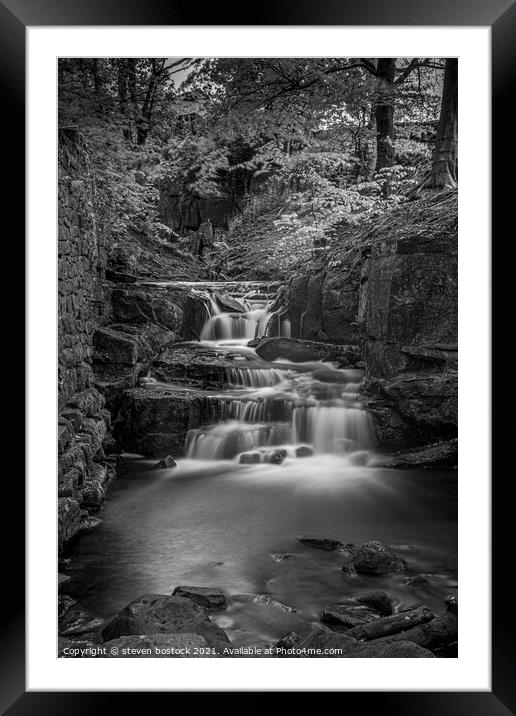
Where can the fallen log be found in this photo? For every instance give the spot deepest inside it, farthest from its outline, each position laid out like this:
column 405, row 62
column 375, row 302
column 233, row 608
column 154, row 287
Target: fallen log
column 387, row 626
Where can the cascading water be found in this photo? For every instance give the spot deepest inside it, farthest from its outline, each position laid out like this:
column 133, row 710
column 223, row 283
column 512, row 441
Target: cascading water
column 267, row 406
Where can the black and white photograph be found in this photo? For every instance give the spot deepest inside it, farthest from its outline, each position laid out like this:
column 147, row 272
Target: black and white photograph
column 257, row 357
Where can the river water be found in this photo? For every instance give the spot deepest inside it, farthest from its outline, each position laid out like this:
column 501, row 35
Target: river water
column 215, row 521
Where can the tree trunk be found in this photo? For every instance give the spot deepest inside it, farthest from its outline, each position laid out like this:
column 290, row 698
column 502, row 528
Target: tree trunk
column 444, row 172
column 384, row 112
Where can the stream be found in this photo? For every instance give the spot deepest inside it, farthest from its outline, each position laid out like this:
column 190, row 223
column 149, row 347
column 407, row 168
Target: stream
column 290, row 453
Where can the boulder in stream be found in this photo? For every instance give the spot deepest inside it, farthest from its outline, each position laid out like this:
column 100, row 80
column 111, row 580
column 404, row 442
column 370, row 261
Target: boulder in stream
column 328, row 545
column 250, row 458
column 373, row 558
column 163, row 614
column 166, row 462
column 304, row 451
column 211, row 598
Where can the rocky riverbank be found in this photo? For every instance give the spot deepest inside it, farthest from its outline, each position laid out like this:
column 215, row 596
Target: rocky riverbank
column 362, row 624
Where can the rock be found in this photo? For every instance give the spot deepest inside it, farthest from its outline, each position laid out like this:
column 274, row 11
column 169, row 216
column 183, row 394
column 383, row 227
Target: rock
column 329, row 375
column 119, row 276
column 162, row 614
column 276, row 457
column 375, row 558
column 304, row 451
column 62, row 580
column 76, row 648
column 408, row 302
column 156, row 419
column 376, row 599
column 147, row 304
column 359, row 458
column 68, row 520
column 288, row 641
column 166, row 462
column 112, row 347
column 438, row 633
column 452, row 604
column 394, row 624
column 250, row 458
column 341, row 645
column 164, row 646
column 438, row 455
column 90, row 522
column 302, row 351
column 346, row 616
column 282, row 557
column 328, row 545
column 211, row 598
column 74, row 621
column 229, row 304
column 416, row 581
column 266, row 600
column 271, row 349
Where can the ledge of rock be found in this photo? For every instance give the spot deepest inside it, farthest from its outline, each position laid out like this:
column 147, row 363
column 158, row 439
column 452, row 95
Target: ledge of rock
column 302, row 351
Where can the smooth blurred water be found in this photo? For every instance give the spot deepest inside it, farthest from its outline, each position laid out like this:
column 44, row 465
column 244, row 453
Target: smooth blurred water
column 219, row 523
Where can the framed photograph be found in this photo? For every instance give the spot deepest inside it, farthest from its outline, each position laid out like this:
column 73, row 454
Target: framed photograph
column 258, row 351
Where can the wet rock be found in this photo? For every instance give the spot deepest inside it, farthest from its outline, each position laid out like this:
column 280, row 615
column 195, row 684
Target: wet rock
column 375, row 558
column 394, row 624
column 74, row 621
column 163, row 646
column 266, row 600
column 228, row 303
column 328, row 545
column 271, row 349
column 346, row 616
column 416, row 581
column 329, row 375
column 250, row 458
column 166, row 462
column 68, row 520
column 90, row 522
column 341, row 645
column 452, row 604
column 276, row 457
column 288, row 641
column 359, row 458
column 211, row 598
column 162, row 614
column 156, row 419
column 304, row 451
column 376, row 599
column 282, row 557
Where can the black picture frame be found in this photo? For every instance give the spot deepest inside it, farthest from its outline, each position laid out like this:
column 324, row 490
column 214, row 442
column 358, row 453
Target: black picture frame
column 15, row 17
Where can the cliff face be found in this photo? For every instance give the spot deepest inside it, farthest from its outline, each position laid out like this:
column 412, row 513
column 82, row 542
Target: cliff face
column 391, row 285
column 408, row 318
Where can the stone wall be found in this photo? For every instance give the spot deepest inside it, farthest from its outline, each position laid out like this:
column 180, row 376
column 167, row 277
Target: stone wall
column 81, row 262
column 84, row 466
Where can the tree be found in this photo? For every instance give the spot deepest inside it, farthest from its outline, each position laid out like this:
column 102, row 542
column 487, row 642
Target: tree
column 444, row 171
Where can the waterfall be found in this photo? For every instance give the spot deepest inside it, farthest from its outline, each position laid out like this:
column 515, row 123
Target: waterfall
column 267, row 406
